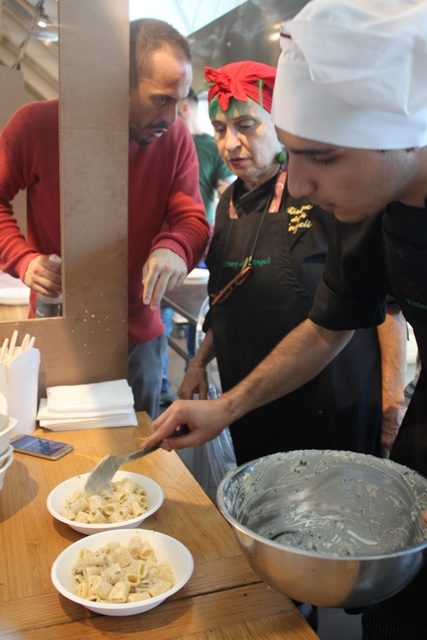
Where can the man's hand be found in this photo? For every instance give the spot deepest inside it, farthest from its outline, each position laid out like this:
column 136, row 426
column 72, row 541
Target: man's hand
column 195, row 381
column 43, row 275
column 204, row 419
column 164, row 270
column 391, row 421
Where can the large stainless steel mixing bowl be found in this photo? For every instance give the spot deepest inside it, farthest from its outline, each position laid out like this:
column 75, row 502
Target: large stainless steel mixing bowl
column 332, row 528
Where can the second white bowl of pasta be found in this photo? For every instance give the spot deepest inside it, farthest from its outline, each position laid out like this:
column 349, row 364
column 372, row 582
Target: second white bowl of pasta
column 122, row 572
column 128, row 501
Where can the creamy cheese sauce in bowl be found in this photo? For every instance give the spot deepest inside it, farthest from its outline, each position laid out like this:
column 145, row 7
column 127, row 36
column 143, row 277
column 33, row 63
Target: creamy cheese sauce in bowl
column 332, row 528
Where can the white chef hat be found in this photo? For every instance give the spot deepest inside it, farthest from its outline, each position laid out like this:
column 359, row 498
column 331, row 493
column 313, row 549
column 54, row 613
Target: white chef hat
column 354, row 73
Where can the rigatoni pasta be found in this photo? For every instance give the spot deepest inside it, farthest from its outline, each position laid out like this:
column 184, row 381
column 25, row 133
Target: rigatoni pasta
column 119, row 501
column 119, row 574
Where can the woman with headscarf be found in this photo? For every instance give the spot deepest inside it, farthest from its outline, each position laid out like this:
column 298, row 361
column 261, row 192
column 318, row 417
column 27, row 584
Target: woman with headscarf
column 265, row 261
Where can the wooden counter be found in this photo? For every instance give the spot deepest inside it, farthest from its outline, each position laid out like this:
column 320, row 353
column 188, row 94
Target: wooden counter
column 223, row 599
column 13, row 313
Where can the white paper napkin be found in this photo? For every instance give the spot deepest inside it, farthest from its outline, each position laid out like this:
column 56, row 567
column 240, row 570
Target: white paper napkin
column 128, row 419
column 44, row 413
column 99, row 396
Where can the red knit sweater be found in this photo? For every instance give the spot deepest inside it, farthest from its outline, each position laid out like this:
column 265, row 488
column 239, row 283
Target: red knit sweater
column 165, row 208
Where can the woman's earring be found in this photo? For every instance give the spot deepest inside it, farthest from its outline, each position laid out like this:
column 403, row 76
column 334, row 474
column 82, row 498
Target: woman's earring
column 281, row 157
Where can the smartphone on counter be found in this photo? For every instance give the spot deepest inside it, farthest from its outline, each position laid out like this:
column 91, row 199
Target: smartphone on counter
column 41, row 447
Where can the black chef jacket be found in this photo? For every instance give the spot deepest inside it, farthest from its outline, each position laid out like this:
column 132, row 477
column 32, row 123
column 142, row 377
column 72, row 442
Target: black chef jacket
column 390, row 255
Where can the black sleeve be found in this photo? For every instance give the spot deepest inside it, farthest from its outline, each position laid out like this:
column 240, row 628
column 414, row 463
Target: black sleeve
column 352, row 292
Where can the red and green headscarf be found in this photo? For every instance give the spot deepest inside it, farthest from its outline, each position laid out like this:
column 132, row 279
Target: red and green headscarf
column 241, row 81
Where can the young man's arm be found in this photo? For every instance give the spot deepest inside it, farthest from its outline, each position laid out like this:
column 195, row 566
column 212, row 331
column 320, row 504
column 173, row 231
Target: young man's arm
column 298, row 358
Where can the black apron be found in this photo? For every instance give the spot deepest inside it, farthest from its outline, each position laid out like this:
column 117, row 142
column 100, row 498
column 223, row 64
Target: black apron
column 341, row 407
column 404, row 617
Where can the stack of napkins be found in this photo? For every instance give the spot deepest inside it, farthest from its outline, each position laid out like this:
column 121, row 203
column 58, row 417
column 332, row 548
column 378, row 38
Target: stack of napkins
column 86, row 406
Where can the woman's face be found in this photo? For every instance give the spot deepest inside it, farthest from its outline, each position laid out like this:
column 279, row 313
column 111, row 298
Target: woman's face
column 247, row 141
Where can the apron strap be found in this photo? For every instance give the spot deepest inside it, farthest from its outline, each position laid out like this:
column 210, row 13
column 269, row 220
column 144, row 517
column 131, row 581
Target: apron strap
column 276, row 201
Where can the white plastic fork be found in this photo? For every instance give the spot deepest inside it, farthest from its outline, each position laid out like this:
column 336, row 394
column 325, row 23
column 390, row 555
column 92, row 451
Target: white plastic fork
column 105, row 470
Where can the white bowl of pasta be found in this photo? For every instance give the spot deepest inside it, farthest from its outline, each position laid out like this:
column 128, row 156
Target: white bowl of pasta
column 122, row 572
column 130, row 499
column 6, row 427
column 5, row 463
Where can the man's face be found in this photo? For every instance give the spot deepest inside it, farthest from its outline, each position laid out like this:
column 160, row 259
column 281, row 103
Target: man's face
column 353, row 184
column 153, row 104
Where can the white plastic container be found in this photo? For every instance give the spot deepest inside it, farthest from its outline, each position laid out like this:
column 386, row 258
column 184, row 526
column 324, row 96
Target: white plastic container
column 19, row 384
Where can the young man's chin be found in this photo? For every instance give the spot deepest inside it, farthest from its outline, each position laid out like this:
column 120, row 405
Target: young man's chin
column 351, row 217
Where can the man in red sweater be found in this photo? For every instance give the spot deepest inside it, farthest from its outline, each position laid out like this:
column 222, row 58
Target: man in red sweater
column 168, row 231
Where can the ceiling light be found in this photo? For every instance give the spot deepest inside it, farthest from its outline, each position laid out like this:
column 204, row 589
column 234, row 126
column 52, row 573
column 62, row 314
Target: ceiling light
column 43, row 21
column 42, row 18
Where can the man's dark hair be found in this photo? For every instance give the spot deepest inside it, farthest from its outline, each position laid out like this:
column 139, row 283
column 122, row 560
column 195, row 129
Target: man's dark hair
column 193, row 97
column 148, row 35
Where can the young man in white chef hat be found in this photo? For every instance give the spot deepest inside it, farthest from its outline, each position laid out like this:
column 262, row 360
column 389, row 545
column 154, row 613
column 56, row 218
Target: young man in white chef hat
column 351, row 109
column 350, row 106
